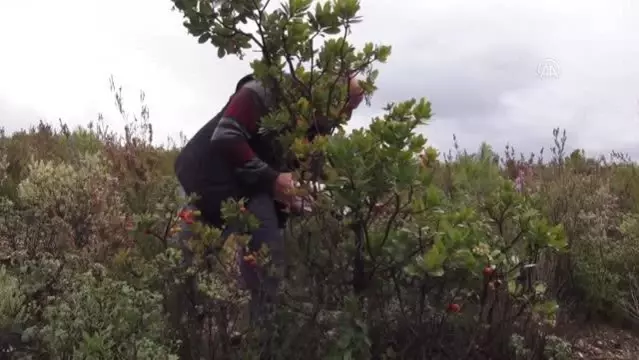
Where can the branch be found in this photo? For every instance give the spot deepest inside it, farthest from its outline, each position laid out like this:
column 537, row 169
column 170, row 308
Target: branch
column 341, row 68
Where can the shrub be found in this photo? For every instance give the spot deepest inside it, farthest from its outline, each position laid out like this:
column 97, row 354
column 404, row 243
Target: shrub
column 69, row 206
column 406, row 255
column 104, row 318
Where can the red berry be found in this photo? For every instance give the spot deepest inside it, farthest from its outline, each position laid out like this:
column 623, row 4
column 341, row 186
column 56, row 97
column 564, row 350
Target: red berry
column 250, row 260
column 187, row 216
column 488, row 271
column 454, row 308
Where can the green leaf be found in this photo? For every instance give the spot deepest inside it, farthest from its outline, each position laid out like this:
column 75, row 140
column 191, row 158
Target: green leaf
column 332, row 30
column 540, row 288
column 205, row 7
column 204, row 38
column 547, row 308
column 513, row 287
column 465, row 258
column 434, row 259
column 437, row 273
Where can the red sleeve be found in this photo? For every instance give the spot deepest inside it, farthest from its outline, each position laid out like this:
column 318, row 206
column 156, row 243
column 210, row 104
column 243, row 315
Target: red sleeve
column 238, row 124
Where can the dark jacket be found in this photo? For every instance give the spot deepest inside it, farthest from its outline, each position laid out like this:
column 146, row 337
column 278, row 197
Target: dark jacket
column 228, row 156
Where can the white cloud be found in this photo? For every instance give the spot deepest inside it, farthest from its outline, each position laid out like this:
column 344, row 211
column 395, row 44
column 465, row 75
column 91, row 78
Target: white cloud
column 57, row 64
column 477, row 61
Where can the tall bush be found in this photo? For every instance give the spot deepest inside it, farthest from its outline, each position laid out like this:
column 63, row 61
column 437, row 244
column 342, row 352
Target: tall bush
column 407, row 261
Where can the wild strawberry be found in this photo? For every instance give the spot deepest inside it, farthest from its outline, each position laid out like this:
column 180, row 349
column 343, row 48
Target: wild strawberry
column 488, row 271
column 243, row 210
column 187, row 216
column 250, row 260
column 454, row 308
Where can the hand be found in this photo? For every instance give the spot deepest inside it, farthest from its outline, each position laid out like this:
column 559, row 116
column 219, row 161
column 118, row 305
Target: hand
column 283, row 187
column 284, row 194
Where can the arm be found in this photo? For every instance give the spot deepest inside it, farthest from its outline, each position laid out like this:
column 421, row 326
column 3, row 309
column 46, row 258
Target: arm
column 238, row 124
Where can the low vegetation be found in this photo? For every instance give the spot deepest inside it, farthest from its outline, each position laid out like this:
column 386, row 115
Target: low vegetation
column 462, row 255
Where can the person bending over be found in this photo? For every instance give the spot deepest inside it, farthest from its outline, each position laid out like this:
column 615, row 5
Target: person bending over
column 229, row 158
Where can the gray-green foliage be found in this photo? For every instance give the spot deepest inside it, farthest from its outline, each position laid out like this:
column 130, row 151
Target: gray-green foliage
column 101, row 318
column 65, row 310
column 12, row 300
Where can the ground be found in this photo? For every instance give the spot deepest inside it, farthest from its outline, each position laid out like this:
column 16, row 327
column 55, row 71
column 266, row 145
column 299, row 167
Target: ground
column 602, row 342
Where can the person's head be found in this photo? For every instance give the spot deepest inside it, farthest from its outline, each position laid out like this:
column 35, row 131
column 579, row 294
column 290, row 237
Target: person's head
column 355, row 92
column 355, row 96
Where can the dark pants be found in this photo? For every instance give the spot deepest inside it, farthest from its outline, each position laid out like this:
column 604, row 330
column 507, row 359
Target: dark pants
column 263, row 287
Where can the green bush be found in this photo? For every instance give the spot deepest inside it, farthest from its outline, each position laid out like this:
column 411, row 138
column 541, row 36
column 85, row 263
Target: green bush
column 104, row 319
column 68, row 205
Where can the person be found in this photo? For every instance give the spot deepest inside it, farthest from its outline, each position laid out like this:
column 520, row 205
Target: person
column 230, row 158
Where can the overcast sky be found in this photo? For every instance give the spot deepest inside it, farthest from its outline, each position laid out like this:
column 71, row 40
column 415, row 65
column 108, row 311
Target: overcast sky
column 499, row 71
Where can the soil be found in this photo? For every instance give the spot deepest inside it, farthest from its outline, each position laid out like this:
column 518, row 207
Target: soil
column 602, row 342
